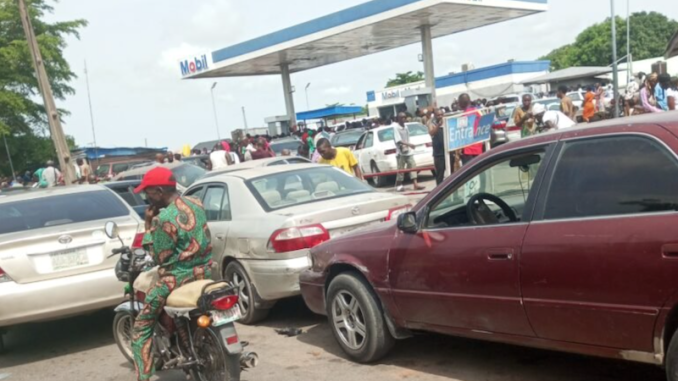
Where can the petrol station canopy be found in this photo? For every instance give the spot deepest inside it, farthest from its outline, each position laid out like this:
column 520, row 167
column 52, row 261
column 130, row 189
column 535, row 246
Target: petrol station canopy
column 368, row 28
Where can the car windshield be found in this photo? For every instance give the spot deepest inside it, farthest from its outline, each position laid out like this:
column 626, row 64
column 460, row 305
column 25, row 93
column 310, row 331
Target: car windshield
column 58, row 210
column 102, row 170
column 291, row 145
column 347, row 138
column 286, row 189
column 187, row 174
column 417, row 130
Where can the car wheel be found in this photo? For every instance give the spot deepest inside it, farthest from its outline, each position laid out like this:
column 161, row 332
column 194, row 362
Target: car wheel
column 251, row 314
column 379, row 181
column 672, row 359
column 357, row 320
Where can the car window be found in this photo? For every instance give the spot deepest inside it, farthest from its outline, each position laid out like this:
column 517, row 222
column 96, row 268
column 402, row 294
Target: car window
column 214, row 197
column 119, row 168
column 361, row 142
column 511, row 180
column 102, row 170
column 417, row 130
column 612, row 176
column 278, row 147
column 297, row 160
column 369, row 140
column 195, row 192
column 48, row 211
column 346, row 139
column 127, row 195
column 386, row 135
column 187, row 174
column 278, row 162
column 282, row 190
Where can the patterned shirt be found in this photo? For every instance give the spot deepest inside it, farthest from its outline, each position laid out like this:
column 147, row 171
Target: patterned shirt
column 179, row 239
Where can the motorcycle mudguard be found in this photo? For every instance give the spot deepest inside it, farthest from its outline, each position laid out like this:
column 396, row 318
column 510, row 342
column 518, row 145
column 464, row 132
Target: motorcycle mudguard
column 125, row 306
column 227, row 332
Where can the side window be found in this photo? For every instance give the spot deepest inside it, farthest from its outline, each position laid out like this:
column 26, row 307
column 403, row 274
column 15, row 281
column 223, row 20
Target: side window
column 214, row 197
column 296, row 160
column 369, row 140
column 195, row 193
column 361, row 142
column 510, row 180
column 226, row 214
column 612, row 176
column 119, row 168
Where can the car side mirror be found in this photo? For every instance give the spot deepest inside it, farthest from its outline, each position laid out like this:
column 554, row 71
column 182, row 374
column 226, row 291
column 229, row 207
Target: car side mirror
column 111, row 229
column 407, row 223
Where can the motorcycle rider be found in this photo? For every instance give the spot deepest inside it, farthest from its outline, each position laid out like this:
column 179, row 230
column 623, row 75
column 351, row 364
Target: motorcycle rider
column 178, row 239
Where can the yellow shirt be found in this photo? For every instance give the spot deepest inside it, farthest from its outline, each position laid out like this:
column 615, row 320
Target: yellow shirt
column 343, row 160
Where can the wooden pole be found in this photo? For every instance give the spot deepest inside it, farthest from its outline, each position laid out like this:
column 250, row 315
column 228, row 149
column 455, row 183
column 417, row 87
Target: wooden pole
column 63, row 153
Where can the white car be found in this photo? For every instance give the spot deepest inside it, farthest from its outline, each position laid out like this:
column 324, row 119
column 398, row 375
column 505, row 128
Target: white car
column 376, row 150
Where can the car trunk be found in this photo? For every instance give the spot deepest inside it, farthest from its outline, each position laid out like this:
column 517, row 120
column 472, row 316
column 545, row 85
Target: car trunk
column 61, row 251
column 343, row 215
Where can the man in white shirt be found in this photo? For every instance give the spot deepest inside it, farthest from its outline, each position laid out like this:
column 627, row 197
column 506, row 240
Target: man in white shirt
column 405, row 150
column 51, row 175
column 551, row 119
column 219, row 158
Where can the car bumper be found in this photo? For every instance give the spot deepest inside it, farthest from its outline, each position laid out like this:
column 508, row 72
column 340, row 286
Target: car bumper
column 276, row 279
column 313, row 290
column 58, row 298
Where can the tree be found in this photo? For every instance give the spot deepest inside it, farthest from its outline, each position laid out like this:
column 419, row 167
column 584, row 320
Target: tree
column 405, row 78
column 650, row 33
column 21, row 118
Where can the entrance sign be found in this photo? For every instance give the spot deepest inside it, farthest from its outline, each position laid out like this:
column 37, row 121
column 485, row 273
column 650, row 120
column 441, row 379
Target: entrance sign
column 468, row 129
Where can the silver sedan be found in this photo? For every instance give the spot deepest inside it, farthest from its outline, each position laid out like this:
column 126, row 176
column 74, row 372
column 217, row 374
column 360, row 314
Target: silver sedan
column 264, row 221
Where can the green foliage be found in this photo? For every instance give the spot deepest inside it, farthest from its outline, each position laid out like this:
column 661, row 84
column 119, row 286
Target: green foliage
column 405, row 78
column 23, row 119
column 650, row 33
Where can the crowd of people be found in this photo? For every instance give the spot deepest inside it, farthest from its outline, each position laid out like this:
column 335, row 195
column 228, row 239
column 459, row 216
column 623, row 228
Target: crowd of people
column 49, row 176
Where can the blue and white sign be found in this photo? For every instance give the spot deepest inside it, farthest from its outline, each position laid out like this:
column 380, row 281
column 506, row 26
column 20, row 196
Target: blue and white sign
column 194, row 65
column 469, row 129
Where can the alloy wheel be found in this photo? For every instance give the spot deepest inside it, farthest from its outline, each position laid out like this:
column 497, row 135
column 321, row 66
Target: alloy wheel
column 349, row 320
column 243, row 292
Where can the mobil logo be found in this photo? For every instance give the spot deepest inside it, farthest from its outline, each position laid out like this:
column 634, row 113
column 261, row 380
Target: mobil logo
column 194, row 66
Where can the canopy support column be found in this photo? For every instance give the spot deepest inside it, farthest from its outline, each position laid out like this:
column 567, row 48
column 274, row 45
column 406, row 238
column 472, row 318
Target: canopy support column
column 287, row 88
column 427, row 52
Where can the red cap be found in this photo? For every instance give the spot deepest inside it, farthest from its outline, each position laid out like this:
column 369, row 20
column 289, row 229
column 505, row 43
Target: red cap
column 156, row 177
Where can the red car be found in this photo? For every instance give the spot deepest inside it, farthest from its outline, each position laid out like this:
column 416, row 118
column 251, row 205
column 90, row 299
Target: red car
column 565, row 241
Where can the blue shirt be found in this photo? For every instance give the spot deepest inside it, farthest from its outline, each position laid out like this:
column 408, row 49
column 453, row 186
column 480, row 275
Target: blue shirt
column 661, row 97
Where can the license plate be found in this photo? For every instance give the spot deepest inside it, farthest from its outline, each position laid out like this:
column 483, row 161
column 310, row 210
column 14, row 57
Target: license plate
column 69, row 259
column 225, row 317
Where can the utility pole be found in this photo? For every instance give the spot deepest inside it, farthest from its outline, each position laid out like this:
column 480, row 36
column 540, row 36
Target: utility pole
column 91, row 115
column 9, row 157
column 63, row 153
column 615, row 73
column 629, row 57
column 244, row 118
column 307, row 104
column 214, row 108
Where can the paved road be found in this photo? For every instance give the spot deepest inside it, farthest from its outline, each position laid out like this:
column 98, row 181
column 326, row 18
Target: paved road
column 82, row 348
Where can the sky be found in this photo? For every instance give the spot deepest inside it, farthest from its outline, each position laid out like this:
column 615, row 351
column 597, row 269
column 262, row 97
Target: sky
column 133, row 47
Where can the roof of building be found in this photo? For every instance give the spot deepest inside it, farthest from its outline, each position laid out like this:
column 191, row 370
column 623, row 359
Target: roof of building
column 329, row 112
column 371, row 27
column 570, row 73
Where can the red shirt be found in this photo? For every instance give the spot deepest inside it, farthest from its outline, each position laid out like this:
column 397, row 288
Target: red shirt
column 476, row 149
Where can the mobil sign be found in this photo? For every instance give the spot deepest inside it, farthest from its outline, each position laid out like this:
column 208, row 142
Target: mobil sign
column 194, row 66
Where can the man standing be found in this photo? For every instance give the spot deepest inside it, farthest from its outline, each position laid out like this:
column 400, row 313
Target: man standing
column 435, row 129
column 178, row 239
column 159, row 158
column 552, row 120
column 471, row 152
column 566, row 105
column 85, row 169
column 339, row 157
column 261, row 151
column 662, row 90
column 50, row 176
column 523, row 117
column 219, row 158
column 405, row 150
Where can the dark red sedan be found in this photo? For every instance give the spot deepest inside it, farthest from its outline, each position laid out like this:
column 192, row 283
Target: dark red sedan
column 565, row 241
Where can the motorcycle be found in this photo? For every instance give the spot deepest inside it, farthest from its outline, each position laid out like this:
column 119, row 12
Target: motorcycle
column 195, row 332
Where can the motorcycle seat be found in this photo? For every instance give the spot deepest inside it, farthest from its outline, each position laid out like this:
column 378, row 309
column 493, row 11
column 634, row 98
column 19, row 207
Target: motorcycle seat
column 187, row 296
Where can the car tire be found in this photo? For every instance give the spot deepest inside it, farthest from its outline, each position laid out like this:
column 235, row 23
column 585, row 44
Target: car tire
column 360, row 329
column 380, row 181
column 671, row 361
column 235, row 273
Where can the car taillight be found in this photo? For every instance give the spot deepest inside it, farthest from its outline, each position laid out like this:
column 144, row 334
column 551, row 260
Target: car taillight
column 499, row 126
column 513, row 128
column 138, row 241
column 293, row 239
column 390, row 152
column 395, row 212
column 225, row 303
column 4, row 277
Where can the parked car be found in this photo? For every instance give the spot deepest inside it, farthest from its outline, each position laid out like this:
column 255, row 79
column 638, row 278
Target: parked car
column 54, row 253
column 186, row 174
column 264, row 220
column 563, row 241
column 291, row 143
column 110, row 170
column 261, row 163
column 199, row 160
column 347, row 139
column 500, row 128
column 376, row 151
column 513, row 132
column 125, row 189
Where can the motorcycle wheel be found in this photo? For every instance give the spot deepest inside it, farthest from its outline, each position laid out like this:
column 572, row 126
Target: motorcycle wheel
column 217, row 364
column 123, row 326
